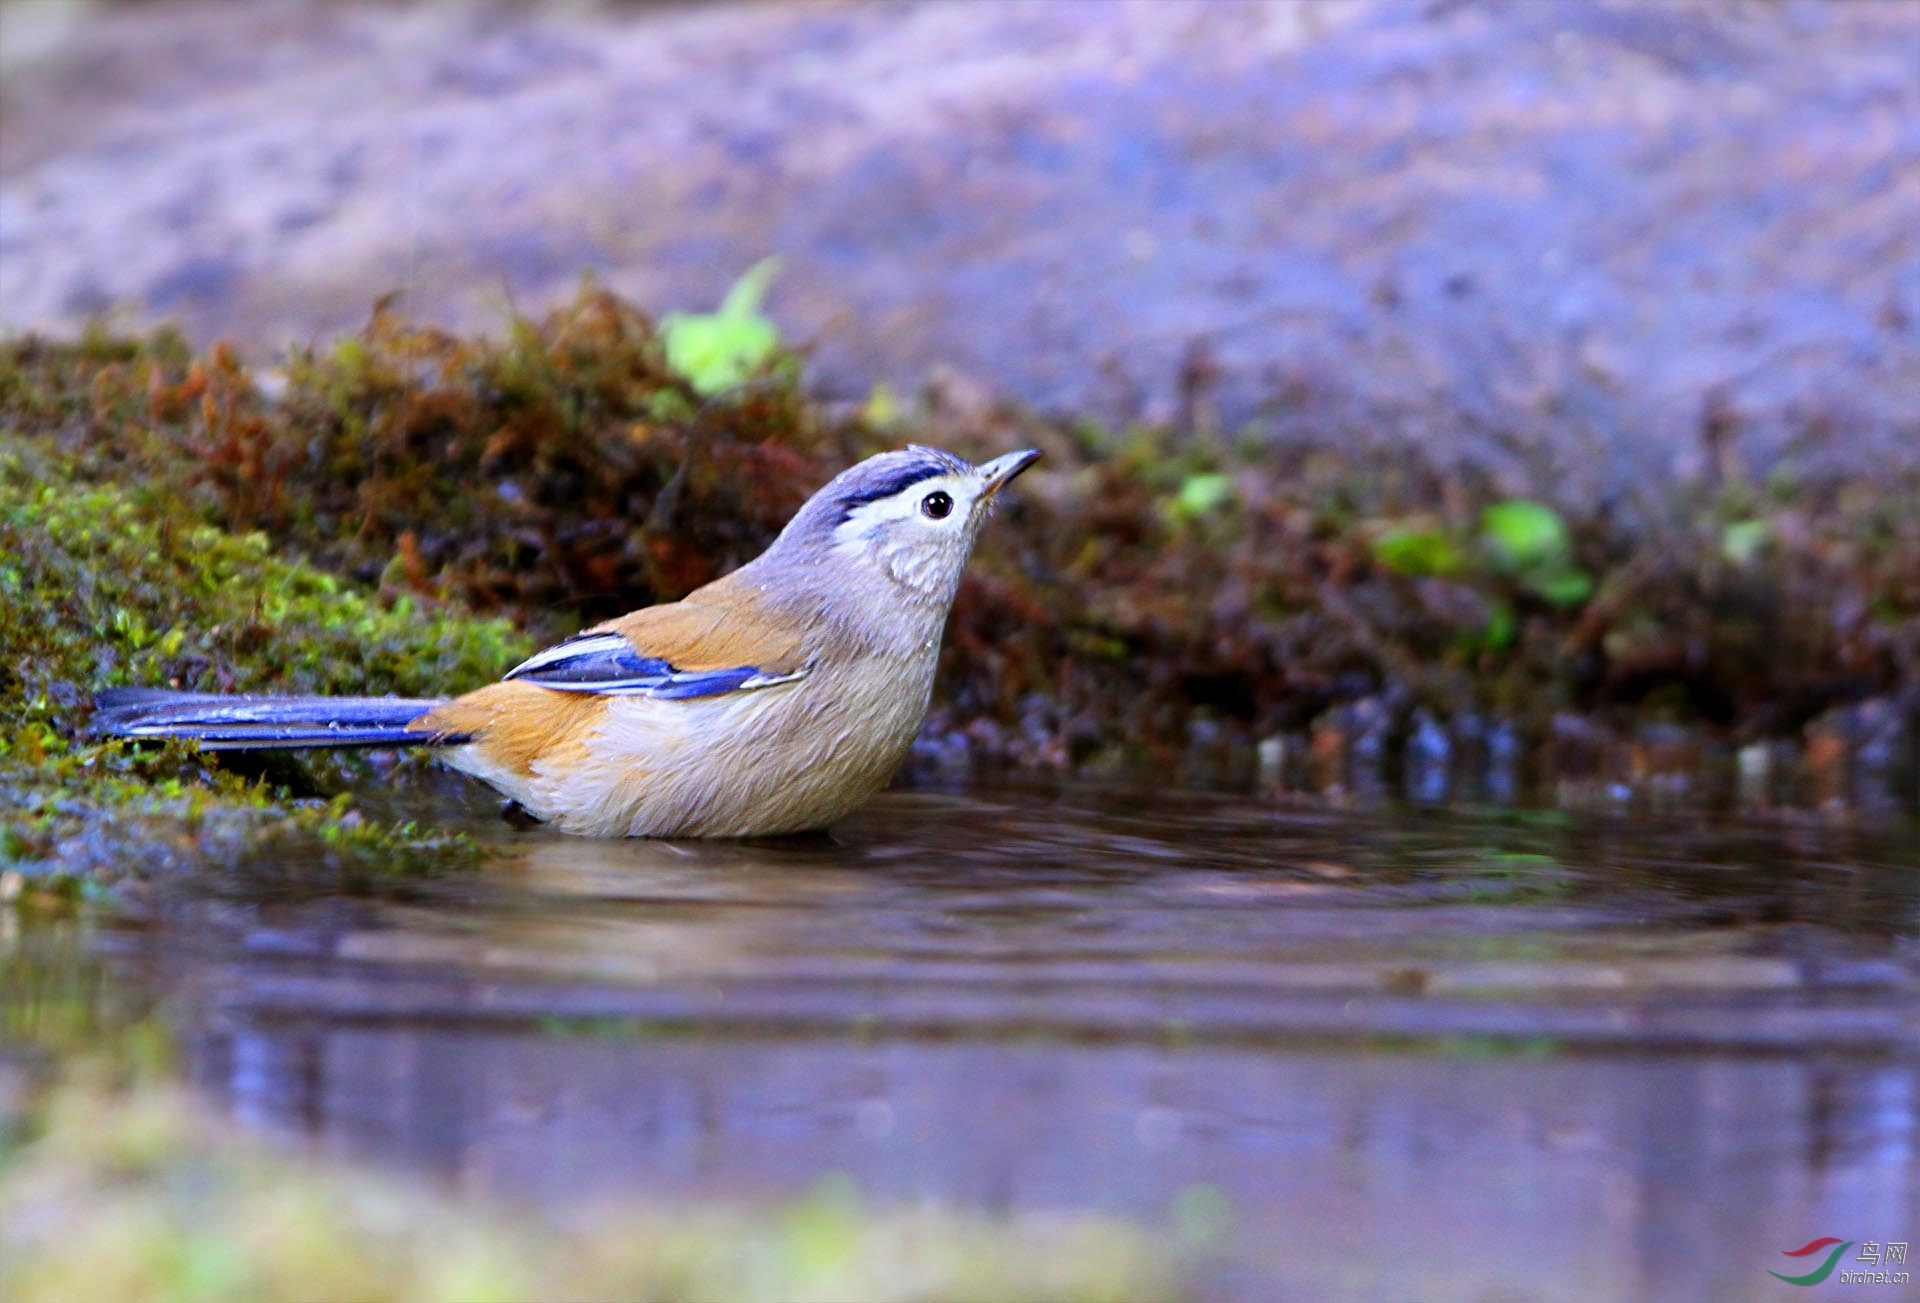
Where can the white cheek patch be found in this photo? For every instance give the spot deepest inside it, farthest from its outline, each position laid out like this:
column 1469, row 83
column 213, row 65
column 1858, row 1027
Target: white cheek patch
column 866, row 523
column 917, row 551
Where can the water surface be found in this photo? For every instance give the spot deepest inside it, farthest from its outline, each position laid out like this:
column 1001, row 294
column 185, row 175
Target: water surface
column 1393, row 1053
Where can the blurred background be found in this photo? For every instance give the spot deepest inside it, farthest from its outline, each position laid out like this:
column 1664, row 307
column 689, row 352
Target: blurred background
column 1657, row 233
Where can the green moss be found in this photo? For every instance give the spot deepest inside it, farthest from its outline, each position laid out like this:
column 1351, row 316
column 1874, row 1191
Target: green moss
column 101, row 586
column 130, row 1193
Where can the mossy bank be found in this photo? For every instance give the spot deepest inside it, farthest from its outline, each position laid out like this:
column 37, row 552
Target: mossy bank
column 101, row 586
column 408, row 511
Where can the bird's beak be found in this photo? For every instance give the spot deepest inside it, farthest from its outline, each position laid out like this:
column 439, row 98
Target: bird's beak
column 997, row 472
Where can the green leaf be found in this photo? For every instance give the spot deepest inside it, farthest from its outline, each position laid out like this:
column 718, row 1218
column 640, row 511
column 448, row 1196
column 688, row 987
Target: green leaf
column 1501, row 627
column 882, row 410
column 1741, row 541
column 1417, row 552
column 1561, row 587
column 1525, row 535
column 1529, row 542
column 743, row 300
column 719, row 350
column 1201, row 495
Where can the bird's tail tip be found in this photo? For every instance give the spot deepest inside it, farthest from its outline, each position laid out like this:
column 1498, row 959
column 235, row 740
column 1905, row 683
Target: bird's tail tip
column 243, row 722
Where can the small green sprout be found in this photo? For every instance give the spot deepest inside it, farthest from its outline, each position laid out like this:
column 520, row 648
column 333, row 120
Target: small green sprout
column 1741, row 541
column 1529, row 543
column 1417, row 552
column 718, row 351
column 1201, row 495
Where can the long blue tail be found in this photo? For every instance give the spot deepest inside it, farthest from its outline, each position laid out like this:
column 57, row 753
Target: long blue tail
column 242, row 723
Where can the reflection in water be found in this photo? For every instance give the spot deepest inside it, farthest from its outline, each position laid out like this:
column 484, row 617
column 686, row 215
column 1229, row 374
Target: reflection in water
column 1514, row 1057
column 1380, row 1171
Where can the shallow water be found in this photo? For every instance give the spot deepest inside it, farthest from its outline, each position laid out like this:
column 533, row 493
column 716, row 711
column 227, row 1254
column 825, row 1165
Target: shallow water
column 1387, row 1054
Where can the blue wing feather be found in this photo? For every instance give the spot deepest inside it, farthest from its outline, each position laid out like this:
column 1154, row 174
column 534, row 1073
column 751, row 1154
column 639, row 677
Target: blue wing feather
column 705, row 683
column 607, row 663
column 592, row 662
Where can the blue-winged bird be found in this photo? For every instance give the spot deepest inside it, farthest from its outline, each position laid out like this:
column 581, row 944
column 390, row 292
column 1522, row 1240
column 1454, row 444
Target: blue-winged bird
column 773, row 700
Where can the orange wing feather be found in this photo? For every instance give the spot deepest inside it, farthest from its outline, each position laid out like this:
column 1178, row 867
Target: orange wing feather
column 516, row 723
column 726, row 624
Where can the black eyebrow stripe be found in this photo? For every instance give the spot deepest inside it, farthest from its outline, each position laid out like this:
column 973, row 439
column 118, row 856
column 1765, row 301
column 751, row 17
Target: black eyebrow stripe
column 904, row 479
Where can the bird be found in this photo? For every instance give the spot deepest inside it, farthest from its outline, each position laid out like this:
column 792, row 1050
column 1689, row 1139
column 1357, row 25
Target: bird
column 774, row 700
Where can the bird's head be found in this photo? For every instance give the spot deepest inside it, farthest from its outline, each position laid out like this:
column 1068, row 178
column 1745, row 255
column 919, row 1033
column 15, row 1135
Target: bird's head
column 899, row 527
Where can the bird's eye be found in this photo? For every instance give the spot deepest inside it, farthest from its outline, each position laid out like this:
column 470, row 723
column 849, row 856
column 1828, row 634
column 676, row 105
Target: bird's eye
column 936, row 505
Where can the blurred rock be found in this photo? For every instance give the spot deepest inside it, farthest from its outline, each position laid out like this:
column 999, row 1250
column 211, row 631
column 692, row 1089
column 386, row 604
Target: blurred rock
column 1599, row 240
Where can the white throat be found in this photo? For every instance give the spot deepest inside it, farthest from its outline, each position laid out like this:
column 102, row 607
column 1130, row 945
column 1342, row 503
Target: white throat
column 871, row 540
